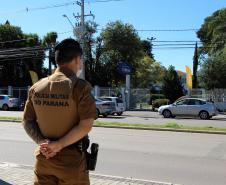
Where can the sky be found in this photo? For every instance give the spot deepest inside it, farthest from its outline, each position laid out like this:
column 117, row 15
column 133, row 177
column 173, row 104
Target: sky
column 142, row 14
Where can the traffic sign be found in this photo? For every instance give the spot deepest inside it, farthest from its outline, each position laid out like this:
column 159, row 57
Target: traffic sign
column 124, row 68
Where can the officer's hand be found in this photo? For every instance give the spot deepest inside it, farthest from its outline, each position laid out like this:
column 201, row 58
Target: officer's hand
column 43, row 149
column 51, row 148
column 44, row 141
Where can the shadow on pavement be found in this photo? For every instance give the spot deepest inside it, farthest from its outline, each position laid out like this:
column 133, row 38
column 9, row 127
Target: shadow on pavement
column 4, row 183
column 114, row 117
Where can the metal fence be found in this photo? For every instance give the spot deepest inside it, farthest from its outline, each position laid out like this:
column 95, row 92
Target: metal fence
column 133, row 98
column 108, row 91
column 218, row 96
column 17, row 92
column 20, row 92
column 140, row 99
column 4, row 90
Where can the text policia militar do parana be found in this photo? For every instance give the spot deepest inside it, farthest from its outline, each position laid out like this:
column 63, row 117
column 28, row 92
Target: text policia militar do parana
column 57, row 100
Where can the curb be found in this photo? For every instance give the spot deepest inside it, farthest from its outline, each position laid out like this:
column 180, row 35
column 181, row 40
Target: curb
column 144, row 128
column 163, row 129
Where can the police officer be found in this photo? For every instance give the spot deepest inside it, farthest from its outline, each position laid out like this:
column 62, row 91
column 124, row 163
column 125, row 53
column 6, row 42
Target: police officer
column 59, row 112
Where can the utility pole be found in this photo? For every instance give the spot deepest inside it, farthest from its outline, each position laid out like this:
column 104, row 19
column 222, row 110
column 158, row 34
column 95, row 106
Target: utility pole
column 82, row 36
column 82, row 26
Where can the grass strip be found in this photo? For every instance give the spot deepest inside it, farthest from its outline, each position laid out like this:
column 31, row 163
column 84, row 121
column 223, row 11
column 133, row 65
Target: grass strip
column 13, row 119
column 168, row 126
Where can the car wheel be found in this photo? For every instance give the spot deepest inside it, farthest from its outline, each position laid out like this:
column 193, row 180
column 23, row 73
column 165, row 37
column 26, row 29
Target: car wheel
column 119, row 113
column 105, row 115
column 204, row 115
column 98, row 113
column 167, row 114
column 5, row 107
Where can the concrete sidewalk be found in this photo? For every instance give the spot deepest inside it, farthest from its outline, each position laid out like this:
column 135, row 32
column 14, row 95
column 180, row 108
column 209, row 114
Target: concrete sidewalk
column 13, row 174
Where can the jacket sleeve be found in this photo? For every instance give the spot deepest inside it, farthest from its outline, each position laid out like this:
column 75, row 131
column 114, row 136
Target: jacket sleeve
column 86, row 104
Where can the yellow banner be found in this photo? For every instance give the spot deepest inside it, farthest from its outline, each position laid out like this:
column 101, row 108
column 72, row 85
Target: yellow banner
column 34, row 76
column 189, row 77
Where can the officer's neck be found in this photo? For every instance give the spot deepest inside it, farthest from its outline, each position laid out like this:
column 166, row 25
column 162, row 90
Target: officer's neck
column 66, row 70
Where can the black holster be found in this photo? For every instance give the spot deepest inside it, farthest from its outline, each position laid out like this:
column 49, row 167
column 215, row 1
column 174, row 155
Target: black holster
column 91, row 157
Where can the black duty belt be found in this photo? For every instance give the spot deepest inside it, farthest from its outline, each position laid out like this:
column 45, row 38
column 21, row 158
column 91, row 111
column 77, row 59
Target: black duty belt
column 82, row 144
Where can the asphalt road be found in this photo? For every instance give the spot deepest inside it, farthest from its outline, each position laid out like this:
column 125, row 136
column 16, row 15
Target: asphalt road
column 183, row 158
column 148, row 117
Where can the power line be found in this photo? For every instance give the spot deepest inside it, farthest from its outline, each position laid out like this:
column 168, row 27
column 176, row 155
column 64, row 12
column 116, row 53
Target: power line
column 171, row 41
column 175, row 48
column 151, row 30
column 27, row 9
column 174, row 44
column 185, row 44
column 103, row 1
column 168, row 30
column 21, row 58
column 23, row 49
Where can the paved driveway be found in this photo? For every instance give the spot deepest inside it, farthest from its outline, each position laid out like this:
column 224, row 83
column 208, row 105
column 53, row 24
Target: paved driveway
column 148, row 117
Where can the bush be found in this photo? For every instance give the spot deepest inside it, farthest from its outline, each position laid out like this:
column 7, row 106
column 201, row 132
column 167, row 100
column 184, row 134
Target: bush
column 155, row 97
column 159, row 102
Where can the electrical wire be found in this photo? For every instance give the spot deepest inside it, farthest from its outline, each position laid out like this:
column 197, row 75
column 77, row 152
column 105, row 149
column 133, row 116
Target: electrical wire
column 168, row 30
column 25, row 49
column 27, row 9
column 103, row 1
column 21, row 58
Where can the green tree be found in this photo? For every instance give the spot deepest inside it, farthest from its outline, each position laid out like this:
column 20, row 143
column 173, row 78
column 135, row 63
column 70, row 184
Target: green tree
column 212, row 34
column 148, row 72
column 172, row 88
column 10, row 33
column 50, row 41
column 89, row 42
column 16, row 63
column 117, row 42
column 195, row 67
column 213, row 72
column 147, row 48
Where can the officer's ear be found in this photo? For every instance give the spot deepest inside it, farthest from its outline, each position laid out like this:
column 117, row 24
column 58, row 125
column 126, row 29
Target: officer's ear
column 78, row 60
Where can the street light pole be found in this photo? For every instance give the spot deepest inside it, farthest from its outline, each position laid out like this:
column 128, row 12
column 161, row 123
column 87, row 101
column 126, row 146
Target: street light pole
column 69, row 21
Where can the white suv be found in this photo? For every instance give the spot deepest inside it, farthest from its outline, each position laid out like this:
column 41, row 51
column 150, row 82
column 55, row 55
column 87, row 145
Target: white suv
column 119, row 105
column 7, row 102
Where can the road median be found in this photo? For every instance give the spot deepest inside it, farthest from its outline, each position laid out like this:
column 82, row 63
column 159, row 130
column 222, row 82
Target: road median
column 172, row 126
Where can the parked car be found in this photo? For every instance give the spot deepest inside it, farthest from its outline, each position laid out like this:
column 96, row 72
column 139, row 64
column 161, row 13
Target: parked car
column 104, row 107
column 189, row 107
column 119, row 105
column 7, row 102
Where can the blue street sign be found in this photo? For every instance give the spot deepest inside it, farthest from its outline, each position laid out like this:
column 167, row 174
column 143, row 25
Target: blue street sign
column 124, row 68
